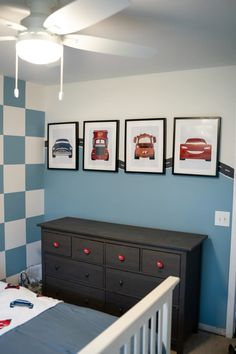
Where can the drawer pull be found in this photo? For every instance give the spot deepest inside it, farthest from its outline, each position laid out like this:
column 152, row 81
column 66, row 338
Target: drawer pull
column 121, row 310
column 121, row 282
column 57, row 267
column 86, row 251
column 121, row 257
column 56, row 244
column 160, row 265
column 87, row 275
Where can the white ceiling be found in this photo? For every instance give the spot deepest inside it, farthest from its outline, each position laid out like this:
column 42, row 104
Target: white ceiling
column 187, row 34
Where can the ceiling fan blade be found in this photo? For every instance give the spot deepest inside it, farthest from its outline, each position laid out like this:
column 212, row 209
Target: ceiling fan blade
column 12, row 25
column 80, row 14
column 108, row 46
column 13, row 10
column 7, row 38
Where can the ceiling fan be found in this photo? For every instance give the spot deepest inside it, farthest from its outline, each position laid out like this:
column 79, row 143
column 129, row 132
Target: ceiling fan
column 44, row 27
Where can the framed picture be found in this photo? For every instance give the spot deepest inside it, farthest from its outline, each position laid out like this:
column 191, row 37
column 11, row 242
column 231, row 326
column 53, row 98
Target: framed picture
column 196, row 146
column 145, row 145
column 62, row 146
column 101, row 139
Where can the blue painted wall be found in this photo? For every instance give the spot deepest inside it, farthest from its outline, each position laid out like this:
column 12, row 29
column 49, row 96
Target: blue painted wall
column 183, row 203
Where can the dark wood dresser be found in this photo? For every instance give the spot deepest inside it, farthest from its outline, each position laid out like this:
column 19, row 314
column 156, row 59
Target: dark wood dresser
column 110, row 267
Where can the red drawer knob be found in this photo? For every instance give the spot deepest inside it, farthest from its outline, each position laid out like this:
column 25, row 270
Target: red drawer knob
column 160, row 265
column 56, row 244
column 121, row 257
column 86, row 251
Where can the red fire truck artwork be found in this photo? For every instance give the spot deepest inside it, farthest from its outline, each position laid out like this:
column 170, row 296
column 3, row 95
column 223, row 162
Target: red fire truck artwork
column 100, row 144
column 144, row 146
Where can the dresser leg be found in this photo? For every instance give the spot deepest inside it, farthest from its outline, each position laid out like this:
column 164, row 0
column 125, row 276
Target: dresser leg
column 180, row 348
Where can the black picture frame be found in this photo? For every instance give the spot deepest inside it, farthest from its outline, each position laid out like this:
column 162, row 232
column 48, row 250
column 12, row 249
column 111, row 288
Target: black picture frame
column 62, row 149
column 145, row 145
column 101, row 144
column 196, row 145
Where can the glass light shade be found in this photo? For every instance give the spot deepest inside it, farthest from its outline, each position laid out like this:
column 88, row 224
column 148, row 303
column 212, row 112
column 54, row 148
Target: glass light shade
column 39, row 47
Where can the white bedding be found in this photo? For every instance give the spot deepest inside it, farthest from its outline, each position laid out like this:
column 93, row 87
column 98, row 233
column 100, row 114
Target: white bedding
column 17, row 314
column 2, row 285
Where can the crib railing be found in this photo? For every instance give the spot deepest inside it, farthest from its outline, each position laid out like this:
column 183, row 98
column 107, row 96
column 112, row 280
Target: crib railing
column 144, row 329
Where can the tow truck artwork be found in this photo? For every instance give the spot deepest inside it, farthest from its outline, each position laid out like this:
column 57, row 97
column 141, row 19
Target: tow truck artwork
column 144, row 146
column 100, row 145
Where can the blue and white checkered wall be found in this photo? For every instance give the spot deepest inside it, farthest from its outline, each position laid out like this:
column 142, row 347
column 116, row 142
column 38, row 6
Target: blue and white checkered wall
column 21, row 180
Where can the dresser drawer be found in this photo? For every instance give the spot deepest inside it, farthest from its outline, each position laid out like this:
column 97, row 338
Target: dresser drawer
column 136, row 285
column 74, row 271
column 117, row 304
column 74, row 293
column 122, row 257
column 87, row 250
column 56, row 243
column 126, row 283
column 161, row 264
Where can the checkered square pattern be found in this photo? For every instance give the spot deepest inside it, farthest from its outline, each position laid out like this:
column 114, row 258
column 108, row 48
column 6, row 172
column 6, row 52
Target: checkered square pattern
column 21, row 178
column 1, row 149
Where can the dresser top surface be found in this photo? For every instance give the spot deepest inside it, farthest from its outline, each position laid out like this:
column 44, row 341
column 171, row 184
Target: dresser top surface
column 126, row 233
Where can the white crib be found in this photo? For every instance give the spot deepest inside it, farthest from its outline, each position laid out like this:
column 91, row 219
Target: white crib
column 144, row 329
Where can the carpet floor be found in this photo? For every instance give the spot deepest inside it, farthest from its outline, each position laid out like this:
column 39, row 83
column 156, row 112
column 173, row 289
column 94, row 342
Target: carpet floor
column 207, row 343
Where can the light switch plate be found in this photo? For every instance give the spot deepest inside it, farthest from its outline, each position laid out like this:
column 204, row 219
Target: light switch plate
column 222, row 218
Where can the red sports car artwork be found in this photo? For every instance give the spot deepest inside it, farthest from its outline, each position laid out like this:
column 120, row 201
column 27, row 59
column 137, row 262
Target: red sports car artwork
column 195, row 148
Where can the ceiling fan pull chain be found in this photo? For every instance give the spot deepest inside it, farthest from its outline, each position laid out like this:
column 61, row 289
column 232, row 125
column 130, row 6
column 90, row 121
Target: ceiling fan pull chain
column 16, row 90
column 60, row 96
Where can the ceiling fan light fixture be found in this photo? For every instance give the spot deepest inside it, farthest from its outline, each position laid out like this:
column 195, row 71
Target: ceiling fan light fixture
column 39, row 47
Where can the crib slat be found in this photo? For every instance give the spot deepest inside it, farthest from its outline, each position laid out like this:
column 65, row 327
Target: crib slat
column 127, row 348
column 153, row 335
column 160, row 333
column 167, row 312
column 145, row 338
column 137, row 342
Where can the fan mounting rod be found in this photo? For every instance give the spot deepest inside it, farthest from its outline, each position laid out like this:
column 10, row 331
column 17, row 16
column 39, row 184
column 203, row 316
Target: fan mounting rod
column 39, row 11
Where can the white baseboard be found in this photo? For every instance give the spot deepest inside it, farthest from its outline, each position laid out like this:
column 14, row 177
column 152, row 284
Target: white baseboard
column 212, row 329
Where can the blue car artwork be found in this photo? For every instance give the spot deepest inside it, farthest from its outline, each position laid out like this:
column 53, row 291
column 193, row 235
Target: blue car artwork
column 62, row 147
